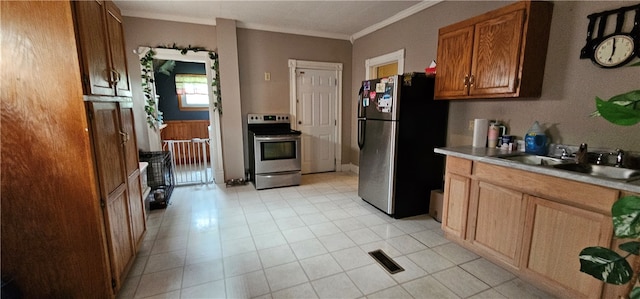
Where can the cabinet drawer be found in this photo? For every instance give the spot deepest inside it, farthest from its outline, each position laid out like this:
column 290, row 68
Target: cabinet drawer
column 594, row 198
column 459, row 165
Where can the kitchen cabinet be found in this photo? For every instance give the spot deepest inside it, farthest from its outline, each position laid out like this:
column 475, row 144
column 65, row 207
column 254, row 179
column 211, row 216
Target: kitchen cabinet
column 101, row 48
column 496, row 221
column 116, row 159
column 456, row 196
column 532, row 224
column 500, row 54
column 557, row 234
column 71, row 204
column 132, row 169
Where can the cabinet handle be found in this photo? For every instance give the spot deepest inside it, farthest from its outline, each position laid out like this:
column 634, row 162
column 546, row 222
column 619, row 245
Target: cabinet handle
column 114, row 78
column 124, row 136
column 471, row 80
column 466, row 81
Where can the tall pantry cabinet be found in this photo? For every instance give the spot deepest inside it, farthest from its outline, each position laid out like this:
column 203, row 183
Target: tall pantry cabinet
column 72, row 215
column 105, row 81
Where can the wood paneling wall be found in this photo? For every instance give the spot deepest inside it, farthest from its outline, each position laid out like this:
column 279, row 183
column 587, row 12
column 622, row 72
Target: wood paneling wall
column 186, row 130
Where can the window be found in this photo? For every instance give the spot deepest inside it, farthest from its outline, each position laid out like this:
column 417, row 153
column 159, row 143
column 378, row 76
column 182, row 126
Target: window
column 193, row 92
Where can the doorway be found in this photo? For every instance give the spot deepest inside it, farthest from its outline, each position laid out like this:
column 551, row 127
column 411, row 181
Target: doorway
column 206, row 143
column 385, row 65
column 316, row 110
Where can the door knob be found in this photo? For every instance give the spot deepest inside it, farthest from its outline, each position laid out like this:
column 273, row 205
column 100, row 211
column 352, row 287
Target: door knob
column 299, row 122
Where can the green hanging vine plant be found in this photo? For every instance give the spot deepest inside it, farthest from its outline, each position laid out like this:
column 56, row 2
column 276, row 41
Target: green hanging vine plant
column 154, row 116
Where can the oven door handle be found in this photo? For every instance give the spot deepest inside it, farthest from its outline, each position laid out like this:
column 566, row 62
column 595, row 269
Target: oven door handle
column 277, row 138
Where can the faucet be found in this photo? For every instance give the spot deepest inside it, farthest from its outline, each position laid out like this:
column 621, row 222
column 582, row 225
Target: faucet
column 566, row 152
column 581, row 154
column 619, row 157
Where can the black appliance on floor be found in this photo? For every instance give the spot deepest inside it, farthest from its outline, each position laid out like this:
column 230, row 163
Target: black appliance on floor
column 399, row 125
column 159, row 178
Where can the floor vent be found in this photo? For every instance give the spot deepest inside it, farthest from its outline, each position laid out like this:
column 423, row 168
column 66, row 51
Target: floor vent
column 384, row 260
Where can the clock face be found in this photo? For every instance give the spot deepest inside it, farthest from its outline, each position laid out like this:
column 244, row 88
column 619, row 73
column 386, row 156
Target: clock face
column 614, row 51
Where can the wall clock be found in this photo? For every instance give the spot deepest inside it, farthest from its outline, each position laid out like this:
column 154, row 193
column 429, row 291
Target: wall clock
column 615, row 49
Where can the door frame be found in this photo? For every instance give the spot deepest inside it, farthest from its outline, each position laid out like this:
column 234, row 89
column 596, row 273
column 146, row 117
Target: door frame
column 215, row 135
column 372, row 64
column 295, row 65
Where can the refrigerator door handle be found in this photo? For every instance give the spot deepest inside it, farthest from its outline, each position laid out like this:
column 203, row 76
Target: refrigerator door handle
column 361, row 129
column 360, row 107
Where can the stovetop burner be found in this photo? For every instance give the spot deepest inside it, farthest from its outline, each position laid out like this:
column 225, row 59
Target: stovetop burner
column 270, row 124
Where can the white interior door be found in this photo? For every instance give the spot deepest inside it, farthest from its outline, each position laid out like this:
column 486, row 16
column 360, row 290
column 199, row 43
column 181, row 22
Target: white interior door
column 317, row 118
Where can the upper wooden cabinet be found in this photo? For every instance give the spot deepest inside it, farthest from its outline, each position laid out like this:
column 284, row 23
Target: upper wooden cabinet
column 101, row 48
column 500, row 54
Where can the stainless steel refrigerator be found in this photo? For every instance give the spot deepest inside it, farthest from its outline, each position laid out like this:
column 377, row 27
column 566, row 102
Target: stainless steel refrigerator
column 399, row 125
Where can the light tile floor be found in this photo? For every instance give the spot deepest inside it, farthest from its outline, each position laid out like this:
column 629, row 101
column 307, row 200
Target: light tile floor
column 307, row 241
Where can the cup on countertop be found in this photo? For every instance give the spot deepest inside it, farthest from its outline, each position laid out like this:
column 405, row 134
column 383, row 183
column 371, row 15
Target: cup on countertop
column 508, row 142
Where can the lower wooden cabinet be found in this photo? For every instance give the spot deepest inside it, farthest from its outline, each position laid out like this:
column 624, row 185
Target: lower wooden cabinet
column 496, row 221
column 556, row 235
column 116, row 157
column 456, row 204
column 121, row 251
column 531, row 224
column 136, row 209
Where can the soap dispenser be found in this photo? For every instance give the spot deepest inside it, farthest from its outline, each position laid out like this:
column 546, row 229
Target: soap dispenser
column 535, row 141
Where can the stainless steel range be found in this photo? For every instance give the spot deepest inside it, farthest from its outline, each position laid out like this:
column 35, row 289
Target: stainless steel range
column 274, row 151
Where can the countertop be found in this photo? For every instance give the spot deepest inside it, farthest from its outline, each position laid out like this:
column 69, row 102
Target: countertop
column 490, row 156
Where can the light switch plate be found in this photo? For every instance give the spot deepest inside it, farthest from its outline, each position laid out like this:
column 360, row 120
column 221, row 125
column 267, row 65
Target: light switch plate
column 267, row 76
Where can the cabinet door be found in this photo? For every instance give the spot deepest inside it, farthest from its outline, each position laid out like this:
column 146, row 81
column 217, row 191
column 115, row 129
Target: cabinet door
column 107, row 144
column 454, row 59
column 496, row 55
column 496, row 221
column 93, row 48
column 557, row 235
column 136, row 209
column 117, row 50
column 130, row 146
column 107, row 140
column 455, row 204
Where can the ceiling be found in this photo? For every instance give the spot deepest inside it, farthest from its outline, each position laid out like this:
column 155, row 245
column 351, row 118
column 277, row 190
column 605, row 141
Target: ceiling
column 341, row 19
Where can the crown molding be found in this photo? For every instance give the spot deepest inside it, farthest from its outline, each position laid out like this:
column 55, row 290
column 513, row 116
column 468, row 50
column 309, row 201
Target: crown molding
column 395, row 18
column 203, row 21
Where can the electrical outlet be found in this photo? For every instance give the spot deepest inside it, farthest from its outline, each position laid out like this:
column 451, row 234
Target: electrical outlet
column 267, row 76
column 470, row 125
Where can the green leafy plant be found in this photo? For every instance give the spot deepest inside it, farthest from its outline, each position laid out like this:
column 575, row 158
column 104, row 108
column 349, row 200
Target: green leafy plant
column 606, row 264
column 154, row 116
column 623, row 109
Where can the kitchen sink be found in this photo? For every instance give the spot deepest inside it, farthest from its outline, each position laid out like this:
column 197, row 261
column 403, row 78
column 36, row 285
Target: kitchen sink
column 603, row 171
column 535, row 160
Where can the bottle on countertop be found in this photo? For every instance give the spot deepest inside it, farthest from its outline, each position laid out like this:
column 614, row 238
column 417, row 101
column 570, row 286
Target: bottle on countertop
column 535, row 141
column 492, row 135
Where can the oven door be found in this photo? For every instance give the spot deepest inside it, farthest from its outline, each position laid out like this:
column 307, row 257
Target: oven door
column 277, row 153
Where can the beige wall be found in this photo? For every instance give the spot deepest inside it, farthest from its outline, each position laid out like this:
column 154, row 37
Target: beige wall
column 231, row 118
column 258, row 52
column 569, row 88
column 264, row 51
column 148, row 32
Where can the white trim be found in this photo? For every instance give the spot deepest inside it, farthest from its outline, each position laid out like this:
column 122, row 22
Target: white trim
column 371, row 63
column 290, row 30
column 168, row 17
column 331, row 66
column 214, row 117
column 395, row 18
